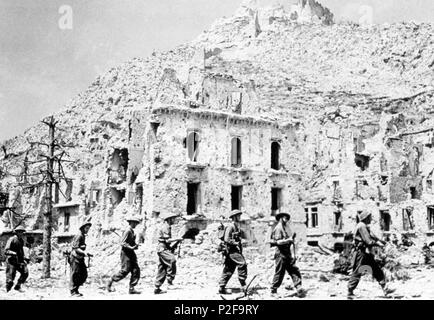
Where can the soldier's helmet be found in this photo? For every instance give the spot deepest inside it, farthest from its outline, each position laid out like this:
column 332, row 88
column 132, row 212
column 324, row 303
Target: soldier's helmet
column 85, row 223
column 167, row 215
column 364, row 215
column 234, row 213
column 133, row 219
column 20, row 229
column 281, row 214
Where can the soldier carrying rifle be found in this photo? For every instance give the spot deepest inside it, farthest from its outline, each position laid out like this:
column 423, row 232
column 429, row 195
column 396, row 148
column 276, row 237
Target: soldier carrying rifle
column 233, row 254
column 363, row 257
column 78, row 268
column 15, row 260
column 129, row 262
column 166, row 248
column 283, row 239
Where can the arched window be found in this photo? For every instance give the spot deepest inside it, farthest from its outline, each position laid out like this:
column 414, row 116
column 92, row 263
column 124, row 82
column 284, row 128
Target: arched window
column 236, row 152
column 275, row 154
column 193, row 145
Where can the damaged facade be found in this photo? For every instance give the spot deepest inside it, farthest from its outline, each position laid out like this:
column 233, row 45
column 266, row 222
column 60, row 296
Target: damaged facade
column 383, row 166
column 203, row 160
column 246, row 117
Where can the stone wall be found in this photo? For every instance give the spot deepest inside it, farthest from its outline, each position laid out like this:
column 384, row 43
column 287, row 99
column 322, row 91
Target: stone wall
column 399, row 165
column 170, row 168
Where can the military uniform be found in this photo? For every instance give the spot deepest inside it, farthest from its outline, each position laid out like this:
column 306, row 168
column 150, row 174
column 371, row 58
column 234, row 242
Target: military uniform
column 233, row 257
column 166, row 257
column 283, row 258
column 78, row 268
column 15, row 262
column 128, row 259
column 364, row 240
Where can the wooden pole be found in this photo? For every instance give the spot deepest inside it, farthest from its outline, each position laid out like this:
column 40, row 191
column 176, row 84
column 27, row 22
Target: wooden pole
column 48, row 215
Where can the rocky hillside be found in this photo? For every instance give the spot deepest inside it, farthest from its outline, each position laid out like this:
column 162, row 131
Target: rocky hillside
column 298, row 68
column 315, row 65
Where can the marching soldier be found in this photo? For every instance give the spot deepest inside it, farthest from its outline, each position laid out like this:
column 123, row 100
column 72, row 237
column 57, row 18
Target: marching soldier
column 128, row 258
column 282, row 238
column 78, row 268
column 363, row 259
column 15, row 261
column 233, row 254
column 165, row 250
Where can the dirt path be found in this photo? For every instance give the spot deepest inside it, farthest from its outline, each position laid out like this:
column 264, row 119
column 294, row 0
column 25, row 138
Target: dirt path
column 202, row 285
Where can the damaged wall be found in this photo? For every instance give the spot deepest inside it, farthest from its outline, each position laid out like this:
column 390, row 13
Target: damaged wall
column 171, row 169
column 357, row 94
column 394, row 181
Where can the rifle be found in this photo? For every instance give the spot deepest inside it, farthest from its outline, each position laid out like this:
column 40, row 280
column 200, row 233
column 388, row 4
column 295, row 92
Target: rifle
column 113, row 230
column 273, row 243
column 235, row 236
column 179, row 249
column 66, row 254
column 177, row 244
column 294, row 252
column 89, row 256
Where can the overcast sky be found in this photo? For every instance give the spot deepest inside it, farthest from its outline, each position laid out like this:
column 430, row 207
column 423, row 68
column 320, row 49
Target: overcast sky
column 43, row 66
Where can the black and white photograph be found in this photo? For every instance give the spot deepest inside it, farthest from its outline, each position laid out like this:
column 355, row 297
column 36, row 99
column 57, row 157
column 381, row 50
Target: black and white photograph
column 232, row 151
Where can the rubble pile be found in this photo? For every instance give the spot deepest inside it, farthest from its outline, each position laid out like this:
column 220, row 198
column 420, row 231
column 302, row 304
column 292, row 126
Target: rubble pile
column 397, row 261
column 354, row 67
column 310, row 258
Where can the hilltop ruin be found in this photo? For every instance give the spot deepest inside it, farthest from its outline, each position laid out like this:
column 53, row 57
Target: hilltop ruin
column 266, row 111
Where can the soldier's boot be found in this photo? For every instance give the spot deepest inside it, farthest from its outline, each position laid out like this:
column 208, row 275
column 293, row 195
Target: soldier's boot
column 133, row 291
column 223, row 290
column 243, row 286
column 301, row 293
column 75, row 293
column 9, row 286
column 18, row 287
column 170, row 284
column 351, row 295
column 158, row 291
column 387, row 290
column 109, row 285
column 273, row 291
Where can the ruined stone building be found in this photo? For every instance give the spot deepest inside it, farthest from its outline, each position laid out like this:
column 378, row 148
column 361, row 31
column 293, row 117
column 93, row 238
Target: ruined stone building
column 206, row 156
column 265, row 111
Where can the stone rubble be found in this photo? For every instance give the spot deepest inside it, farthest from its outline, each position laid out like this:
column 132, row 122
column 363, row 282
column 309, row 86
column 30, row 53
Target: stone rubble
column 331, row 81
